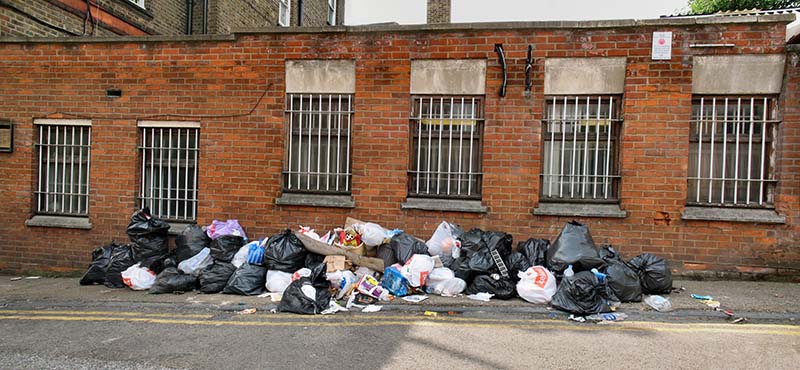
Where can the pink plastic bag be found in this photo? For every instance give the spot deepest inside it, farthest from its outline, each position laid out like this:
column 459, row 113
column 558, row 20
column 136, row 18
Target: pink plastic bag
column 229, row 227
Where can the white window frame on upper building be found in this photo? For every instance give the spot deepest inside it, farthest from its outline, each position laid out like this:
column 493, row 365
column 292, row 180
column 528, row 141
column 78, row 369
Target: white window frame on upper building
column 139, row 3
column 284, row 13
column 332, row 12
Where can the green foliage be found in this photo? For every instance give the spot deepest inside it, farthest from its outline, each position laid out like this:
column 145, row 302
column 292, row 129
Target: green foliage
column 713, row 6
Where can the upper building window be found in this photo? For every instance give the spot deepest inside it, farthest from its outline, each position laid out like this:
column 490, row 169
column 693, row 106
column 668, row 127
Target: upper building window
column 332, row 12
column 580, row 151
column 139, row 3
column 284, row 13
column 732, row 151
column 169, row 152
column 64, row 151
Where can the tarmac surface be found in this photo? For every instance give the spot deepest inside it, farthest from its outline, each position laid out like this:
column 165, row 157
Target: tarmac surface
column 54, row 323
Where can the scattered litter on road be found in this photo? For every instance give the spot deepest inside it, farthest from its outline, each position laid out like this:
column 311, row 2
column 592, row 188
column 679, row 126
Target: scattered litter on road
column 576, row 318
column 430, row 313
column 607, row 317
column 275, row 297
column 712, row 304
column 740, row 320
column 334, row 308
column 658, row 303
column 702, row 297
column 16, row 278
column 246, row 311
column 483, row 297
column 32, row 277
column 372, row 308
column 415, row 298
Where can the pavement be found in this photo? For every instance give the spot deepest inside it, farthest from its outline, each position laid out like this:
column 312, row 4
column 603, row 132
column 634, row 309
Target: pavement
column 767, row 302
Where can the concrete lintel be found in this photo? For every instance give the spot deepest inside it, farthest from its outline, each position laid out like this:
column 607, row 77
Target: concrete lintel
column 62, row 222
column 579, row 210
column 579, row 76
column 763, row 216
column 738, row 74
column 316, row 200
column 452, row 205
column 321, row 76
column 448, row 77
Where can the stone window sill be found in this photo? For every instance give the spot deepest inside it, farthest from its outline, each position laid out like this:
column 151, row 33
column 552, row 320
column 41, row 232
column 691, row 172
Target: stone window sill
column 316, row 200
column 62, row 222
column 764, row 216
column 579, row 210
column 455, row 205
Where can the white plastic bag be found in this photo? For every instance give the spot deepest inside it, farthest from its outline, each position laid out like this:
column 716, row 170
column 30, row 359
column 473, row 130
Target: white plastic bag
column 443, row 244
column 241, row 256
column 138, row 278
column 536, row 285
column 451, row 288
column 372, row 234
column 417, row 268
column 278, row 281
column 197, row 262
column 438, row 277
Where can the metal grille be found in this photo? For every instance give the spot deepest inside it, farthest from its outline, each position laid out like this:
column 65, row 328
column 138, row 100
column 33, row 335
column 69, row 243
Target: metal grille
column 284, row 12
column 63, row 186
column 446, row 148
column 169, row 172
column 318, row 145
column 732, row 152
column 580, row 148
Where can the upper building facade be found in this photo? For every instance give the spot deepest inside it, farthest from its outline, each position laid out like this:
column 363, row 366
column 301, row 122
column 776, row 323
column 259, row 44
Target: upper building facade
column 57, row 18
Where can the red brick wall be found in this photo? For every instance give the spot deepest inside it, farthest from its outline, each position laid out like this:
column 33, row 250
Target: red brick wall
column 241, row 157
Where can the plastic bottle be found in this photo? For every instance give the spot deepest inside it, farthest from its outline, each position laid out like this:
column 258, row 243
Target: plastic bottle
column 601, row 277
column 568, row 273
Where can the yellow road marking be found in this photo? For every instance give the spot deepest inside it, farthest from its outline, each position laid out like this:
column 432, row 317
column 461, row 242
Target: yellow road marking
column 630, row 326
column 56, row 312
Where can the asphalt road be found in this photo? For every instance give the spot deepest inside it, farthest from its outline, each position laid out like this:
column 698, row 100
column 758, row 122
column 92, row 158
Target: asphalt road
column 168, row 337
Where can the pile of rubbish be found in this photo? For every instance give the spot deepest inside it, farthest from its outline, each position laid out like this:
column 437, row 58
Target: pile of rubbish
column 363, row 264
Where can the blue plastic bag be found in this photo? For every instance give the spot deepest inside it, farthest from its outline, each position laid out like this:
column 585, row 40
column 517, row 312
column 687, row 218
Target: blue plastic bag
column 394, row 281
column 255, row 254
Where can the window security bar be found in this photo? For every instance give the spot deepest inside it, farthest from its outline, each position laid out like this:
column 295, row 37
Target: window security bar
column 446, row 147
column 732, row 152
column 64, row 162
column 580, row 148
column 169, row 172
column 318, row 145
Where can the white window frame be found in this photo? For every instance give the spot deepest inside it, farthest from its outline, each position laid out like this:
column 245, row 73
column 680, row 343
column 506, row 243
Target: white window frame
column 284, row 13
column 310, row 123
column 332, row 12
column 573, row 123
column 433, row 174
column 164, row 140
column 65, row 202
column 751, row 138
column 139, row 3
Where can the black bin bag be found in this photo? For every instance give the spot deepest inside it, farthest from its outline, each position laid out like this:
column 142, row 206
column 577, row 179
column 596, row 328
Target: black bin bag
column 149, row 235
column 477, row 246
column 225, row 247
column 171, row 280
column 582, row 295
column 622, row 280
column 285, row 252
column 502, row 288
column 96, row 273
column 191, row 241
column 214, row 277
column 517, row 262
column 654, row 273
column 296, row 300
column 247, row 280
column 121, row 259
column 400, row 249
column 574, row 246
column 535, row 251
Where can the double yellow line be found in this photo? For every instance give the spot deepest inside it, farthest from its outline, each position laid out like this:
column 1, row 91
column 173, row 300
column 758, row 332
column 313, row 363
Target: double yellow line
column 342, row 320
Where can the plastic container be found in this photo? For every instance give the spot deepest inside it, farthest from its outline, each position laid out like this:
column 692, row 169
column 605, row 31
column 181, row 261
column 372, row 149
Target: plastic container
column 569, row 273
column 658, row 303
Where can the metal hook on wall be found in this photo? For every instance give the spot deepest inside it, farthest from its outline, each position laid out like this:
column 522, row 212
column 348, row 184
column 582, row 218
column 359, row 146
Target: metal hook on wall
column 502, row 59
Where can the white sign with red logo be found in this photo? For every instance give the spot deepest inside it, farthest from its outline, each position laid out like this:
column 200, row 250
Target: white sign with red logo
column 662, row 46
